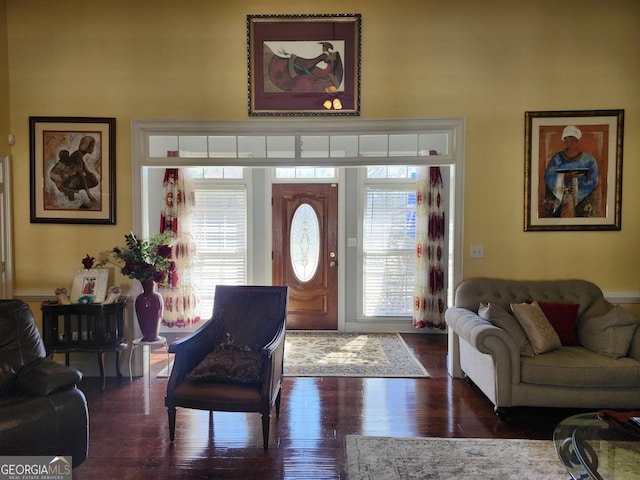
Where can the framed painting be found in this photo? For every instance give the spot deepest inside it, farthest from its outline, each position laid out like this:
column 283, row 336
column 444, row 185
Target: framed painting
column 573, row 170
column 72, row 170
column 304, row 64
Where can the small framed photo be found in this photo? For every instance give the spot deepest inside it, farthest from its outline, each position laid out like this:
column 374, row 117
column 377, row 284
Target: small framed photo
column 304, row 64
column 89, row 285
column 573, row 170
column 72, row 170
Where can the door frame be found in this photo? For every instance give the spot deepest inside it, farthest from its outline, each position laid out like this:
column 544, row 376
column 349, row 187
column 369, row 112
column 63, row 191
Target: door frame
column 6, row 228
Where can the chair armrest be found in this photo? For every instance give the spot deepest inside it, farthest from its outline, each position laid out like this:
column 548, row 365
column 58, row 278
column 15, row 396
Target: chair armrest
column 45, row 376
column 273, row 353
column 273, row 345
column 190, row 351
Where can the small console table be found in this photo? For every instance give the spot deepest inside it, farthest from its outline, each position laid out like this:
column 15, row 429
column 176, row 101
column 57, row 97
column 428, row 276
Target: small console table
column 90, row 328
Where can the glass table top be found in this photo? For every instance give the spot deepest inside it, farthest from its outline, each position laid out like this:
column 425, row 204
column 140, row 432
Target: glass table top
column 591, row 448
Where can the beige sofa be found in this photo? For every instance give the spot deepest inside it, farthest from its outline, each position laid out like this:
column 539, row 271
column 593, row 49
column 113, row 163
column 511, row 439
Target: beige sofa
column 601, row 371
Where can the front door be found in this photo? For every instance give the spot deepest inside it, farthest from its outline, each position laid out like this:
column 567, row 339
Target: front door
column 305, row 252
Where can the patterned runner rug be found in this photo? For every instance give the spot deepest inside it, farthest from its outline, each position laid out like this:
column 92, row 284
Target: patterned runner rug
column 335, row 354
column 387, row 458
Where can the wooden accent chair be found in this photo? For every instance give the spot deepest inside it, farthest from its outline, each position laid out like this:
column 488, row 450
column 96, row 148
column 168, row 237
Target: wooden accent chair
column 234, row 362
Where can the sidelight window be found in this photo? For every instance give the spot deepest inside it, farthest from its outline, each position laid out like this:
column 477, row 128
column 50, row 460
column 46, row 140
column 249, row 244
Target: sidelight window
column 219, row 228
column 388, row 253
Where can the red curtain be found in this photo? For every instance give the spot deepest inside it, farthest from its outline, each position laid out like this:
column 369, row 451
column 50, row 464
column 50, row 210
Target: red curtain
column 430, row 295
column 180, row 296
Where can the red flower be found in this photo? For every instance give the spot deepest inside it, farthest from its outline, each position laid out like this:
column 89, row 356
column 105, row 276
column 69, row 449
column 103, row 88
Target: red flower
column 88, row 261
column 158, row 276
column 164, row 251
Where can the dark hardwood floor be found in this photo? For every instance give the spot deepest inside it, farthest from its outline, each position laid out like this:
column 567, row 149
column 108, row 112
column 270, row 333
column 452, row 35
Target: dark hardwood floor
column 129, row 436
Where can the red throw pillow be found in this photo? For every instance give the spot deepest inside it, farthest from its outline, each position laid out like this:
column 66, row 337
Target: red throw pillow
column 563, row 318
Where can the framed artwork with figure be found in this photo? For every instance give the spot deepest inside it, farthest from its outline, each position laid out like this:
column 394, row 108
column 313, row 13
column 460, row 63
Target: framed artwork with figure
column 72, row 170
column 304, row 64
column 573, row 170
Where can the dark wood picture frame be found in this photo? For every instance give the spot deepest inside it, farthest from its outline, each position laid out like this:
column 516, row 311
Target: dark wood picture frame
column 573, row 170
column 73, row 176
column 304, row 65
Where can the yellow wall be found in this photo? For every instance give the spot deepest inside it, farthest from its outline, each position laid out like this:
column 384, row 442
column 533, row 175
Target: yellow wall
column 4, row 80
column 487, row 61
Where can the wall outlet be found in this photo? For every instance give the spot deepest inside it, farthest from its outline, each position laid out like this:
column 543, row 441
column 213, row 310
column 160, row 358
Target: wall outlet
column 477, row 251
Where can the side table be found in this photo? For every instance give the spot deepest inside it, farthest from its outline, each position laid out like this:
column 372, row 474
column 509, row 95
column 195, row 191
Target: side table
column 146, row 351
column 94, row 328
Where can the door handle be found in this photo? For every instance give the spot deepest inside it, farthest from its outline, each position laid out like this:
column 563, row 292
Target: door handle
column 332, row 263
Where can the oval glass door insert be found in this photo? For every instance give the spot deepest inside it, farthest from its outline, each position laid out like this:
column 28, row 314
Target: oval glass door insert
column 304, row 242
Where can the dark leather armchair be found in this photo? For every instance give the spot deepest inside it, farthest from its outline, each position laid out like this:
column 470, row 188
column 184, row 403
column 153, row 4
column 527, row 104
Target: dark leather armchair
column 42, row 412
column 233, row 363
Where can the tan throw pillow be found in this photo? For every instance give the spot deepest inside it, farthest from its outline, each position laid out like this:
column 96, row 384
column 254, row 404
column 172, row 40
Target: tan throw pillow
column 538, row 329
column 499, row 317
column 634, row 348
column 609, row 334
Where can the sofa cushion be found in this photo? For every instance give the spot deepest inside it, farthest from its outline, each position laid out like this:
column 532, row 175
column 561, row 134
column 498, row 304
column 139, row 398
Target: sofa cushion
column 609, row 334
column 563, row 318
column 580, row 367
column 499, row 317
column 538, row 329
column 7, row 378
column 597, row 308
column 634, row 348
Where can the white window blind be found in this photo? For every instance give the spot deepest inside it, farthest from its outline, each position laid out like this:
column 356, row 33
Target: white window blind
column 219, row 228
column 389, row 250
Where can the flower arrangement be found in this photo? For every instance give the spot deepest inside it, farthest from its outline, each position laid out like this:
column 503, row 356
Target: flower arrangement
column 140, row 259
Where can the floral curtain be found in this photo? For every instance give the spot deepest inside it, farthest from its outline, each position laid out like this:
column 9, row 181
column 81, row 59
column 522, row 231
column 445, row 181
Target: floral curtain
column 430, row 293
column 180, row 297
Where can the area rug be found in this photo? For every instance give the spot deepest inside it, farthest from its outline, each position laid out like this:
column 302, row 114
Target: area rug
column 388, row 458
column 337, row 354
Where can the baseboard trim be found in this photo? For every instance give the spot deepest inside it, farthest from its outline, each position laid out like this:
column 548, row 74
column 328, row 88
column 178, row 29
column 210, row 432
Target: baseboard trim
column 622, row 297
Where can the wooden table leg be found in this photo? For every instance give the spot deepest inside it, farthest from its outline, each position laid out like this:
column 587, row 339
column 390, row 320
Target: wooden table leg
column 118, row 364
column 101, row 365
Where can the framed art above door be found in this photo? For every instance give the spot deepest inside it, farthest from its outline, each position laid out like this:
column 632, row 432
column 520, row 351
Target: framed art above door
column 304, row 64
